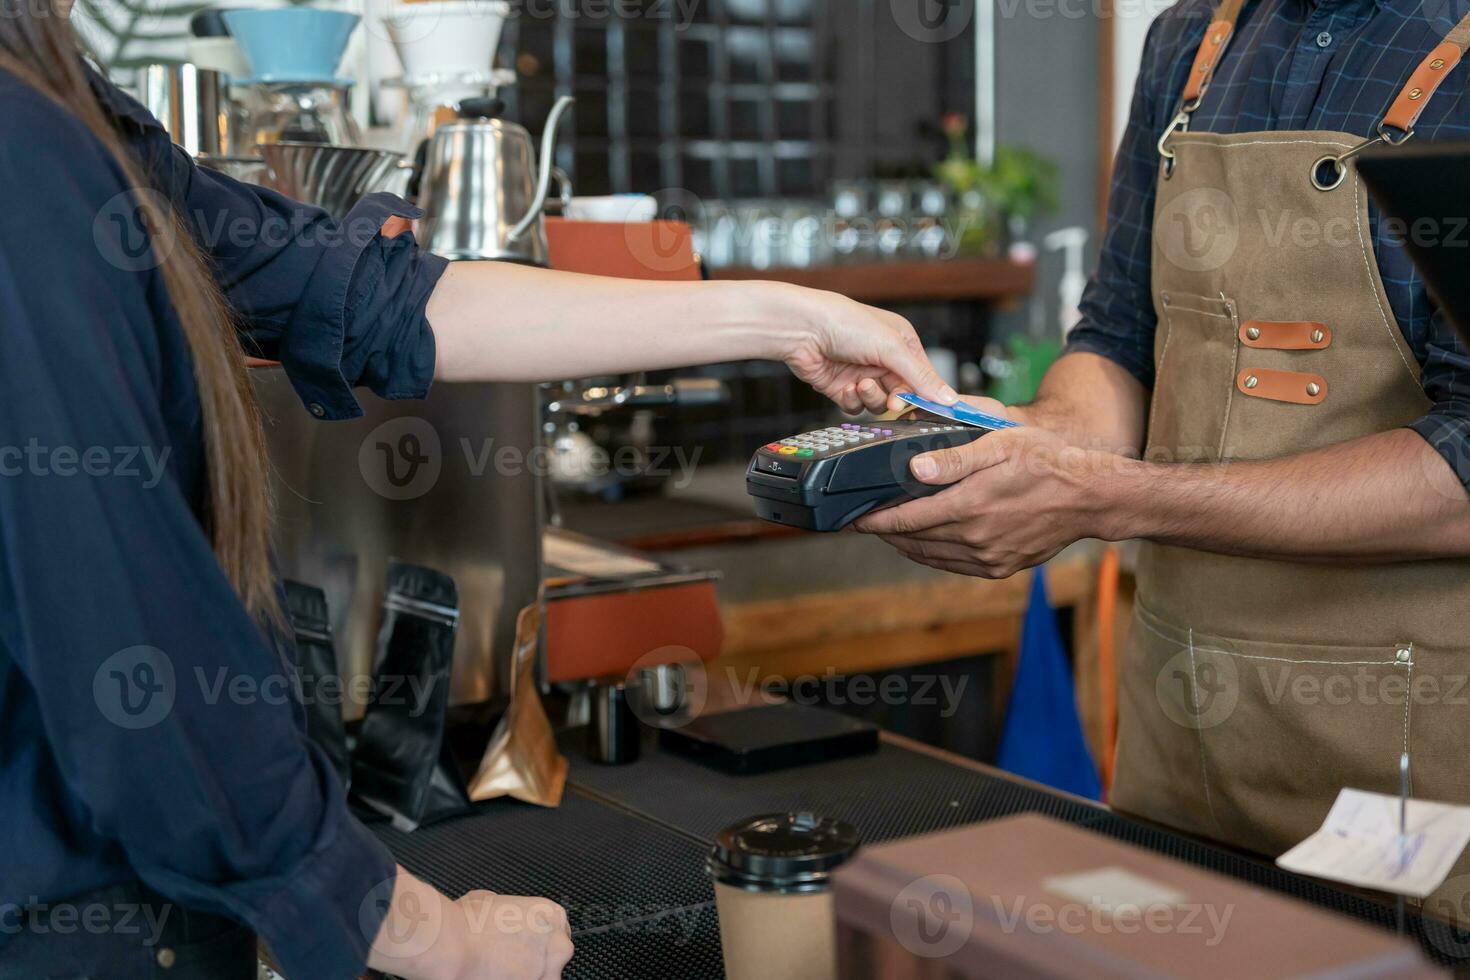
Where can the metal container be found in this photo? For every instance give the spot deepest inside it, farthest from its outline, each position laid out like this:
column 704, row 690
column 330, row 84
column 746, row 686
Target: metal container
column 613, row 731
column 331, row 177
column 480, row 189
column 450, row 482
column 300, row 112
column 250, row 170
column 193, row 104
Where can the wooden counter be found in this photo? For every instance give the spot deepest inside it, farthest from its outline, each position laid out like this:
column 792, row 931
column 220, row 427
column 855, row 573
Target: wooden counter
column 995, row 280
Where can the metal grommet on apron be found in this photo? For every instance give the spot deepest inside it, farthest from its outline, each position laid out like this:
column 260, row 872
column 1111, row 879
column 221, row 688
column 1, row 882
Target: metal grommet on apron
column 1253, row 690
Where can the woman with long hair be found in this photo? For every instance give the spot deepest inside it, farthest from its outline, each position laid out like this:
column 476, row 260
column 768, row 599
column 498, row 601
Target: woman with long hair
column 155, row 826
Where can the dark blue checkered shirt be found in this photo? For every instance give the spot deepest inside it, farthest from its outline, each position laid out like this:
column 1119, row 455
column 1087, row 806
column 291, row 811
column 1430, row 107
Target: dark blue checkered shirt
column 1293, row 64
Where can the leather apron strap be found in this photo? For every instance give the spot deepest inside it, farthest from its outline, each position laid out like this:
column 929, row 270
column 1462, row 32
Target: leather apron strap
column 1427, row 78
column 1396, row 127
column 1211, row 50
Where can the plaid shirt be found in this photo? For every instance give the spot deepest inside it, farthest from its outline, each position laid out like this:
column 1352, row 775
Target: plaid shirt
column 1293, row 64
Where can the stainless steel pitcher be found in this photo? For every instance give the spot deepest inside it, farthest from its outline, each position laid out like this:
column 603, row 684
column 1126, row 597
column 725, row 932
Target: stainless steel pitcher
column 482, row 191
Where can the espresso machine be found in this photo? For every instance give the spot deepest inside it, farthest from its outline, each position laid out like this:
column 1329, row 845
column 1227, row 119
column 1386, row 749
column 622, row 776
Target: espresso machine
column 450, row 482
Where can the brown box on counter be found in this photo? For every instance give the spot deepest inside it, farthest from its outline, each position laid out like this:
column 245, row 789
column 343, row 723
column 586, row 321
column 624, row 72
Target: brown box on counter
column 1029, row 896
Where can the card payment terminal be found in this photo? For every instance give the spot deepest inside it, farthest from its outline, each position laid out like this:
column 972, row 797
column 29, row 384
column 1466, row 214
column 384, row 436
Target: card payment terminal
column 825, row 479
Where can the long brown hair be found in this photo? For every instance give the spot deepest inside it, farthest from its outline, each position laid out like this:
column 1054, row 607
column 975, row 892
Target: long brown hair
column 37, row 45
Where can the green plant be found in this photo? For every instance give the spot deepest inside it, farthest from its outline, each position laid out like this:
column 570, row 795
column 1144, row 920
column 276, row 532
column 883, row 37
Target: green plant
column 1019, row 182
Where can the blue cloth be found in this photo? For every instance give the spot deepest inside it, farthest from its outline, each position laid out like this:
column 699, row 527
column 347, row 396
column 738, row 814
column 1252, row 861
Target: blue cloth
column 336, row 303
column 1293, row 64
column 147, row 727
column 1043, row 738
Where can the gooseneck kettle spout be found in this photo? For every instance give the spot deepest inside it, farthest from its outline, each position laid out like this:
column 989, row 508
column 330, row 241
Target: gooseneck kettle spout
column 548, row 152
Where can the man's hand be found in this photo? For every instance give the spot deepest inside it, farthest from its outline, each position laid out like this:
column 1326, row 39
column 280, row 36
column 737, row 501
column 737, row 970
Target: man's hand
column 1020, row 496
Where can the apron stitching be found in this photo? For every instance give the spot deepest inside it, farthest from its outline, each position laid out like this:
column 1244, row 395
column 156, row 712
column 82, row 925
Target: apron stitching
column 1408, row 706
column 1234, row 365
column 1190, row 309
column 1203, row 769
column 1250, row 656
column 1231, row 146
column 1376, row 280
column 1159, row 372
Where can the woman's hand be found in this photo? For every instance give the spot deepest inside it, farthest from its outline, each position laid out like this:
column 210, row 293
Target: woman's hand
column 859, row 356
column 425, row 936
column 514, row 938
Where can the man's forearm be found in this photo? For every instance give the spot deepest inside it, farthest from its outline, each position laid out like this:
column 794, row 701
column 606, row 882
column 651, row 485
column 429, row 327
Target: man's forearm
column 495, row 321
column 1090, row 402
column 1385, row 497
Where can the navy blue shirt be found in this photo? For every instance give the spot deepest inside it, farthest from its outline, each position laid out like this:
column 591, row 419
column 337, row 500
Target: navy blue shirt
column 1300, row 65
column 147, row 724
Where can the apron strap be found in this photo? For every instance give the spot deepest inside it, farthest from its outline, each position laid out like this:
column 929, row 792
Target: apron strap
column 1211, row 50
column 1206, row 59
column 1425, row 81
column 1329, row 172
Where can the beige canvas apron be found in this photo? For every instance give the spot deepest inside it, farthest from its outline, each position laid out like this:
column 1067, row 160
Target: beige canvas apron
column 1252, row 690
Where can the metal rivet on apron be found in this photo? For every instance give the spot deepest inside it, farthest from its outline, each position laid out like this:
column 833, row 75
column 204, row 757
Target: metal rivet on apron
column 1252, row 381
column 1254, row 333
column 1164, row 298
column 1317, row 336
column 1436, row 64
column 1314, row 389
column 1415, row 94
column 167, row 958
column 1403, row 656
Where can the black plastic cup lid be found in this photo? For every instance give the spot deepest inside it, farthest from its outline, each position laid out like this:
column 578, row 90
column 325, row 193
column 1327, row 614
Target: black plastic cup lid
column 782, row 852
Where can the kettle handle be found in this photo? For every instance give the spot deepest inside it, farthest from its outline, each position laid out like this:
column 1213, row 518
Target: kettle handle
column 548, row 150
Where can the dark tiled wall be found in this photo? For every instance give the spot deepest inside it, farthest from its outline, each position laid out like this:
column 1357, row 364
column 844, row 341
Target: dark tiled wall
column 735, row 98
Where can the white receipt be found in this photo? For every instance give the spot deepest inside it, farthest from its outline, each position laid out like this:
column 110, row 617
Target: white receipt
column 1359, row 844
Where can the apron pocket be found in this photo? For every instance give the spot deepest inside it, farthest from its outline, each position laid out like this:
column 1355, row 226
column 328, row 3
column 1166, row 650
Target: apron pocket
column 1195, row 381
column 1278, row 728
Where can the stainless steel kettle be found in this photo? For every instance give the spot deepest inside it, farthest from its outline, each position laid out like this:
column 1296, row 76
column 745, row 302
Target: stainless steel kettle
column 481, row 190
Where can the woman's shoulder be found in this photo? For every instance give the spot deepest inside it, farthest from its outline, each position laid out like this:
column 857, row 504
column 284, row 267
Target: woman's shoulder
column 48, row 150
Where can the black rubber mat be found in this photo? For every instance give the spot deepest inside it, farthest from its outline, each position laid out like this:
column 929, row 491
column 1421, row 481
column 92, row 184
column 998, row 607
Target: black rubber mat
column 636, row 893
column 625, row 851
column 683, row 945
column 893, row 793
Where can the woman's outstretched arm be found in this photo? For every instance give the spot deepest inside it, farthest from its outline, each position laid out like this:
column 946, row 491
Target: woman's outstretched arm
column 498, row 322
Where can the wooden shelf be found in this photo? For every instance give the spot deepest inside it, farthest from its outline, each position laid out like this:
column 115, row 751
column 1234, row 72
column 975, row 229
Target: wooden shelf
column 894, row 282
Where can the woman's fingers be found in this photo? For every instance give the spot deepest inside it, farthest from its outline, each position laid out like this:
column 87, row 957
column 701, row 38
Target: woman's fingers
column 849, row 400
column 874, row 395
column 910, row 363
column 558, row 954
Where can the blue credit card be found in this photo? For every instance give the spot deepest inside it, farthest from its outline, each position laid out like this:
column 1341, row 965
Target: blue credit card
column 959, row 412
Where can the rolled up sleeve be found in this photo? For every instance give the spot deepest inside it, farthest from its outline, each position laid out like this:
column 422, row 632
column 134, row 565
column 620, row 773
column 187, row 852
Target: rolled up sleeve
column 337, row 302
column 1446, row 380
